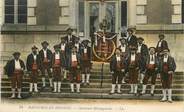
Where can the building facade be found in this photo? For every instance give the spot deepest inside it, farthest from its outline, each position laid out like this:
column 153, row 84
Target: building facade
column 25, row 23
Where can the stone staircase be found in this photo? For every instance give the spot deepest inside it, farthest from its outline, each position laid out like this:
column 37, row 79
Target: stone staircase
column 95, row 89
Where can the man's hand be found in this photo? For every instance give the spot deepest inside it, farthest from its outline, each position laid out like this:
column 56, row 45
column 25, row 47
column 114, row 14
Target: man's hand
column 123, row 70
column 170, row 72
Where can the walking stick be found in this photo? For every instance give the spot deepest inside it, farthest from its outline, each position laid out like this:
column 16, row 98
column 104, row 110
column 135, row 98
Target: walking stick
column 101, row 84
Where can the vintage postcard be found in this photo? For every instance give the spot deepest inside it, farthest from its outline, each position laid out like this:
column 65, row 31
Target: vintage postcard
column 92, row 55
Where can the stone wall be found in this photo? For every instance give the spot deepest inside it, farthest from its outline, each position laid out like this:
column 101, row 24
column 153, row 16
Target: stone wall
column 24, row 42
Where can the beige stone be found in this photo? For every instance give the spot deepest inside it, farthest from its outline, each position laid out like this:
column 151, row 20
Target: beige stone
column 141, row 19
column 24, row 39
column 7, row 38
column 31, row 12
column 176, row 18
column 173, row 2
column 63, row 3
column 140, row 9
column 32, row 3
column 141, row 2
column 31, row 21
column 63, row 20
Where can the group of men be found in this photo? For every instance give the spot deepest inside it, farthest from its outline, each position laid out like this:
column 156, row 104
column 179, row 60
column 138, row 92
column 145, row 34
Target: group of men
column 69, row 57
column 132, row 61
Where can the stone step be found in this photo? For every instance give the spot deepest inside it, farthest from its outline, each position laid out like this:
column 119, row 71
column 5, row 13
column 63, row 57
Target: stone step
column 96, row 90
column 95, row 96
column 92, row 85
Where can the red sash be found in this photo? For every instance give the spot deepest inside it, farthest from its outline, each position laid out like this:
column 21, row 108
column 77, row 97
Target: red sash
column 165, row 67
column 34, row 66
column 118, row 66
column 45, row 60
column 57, row 63
column 74, row 64
column 18, row 71
column 85, row 56
column 150, row 66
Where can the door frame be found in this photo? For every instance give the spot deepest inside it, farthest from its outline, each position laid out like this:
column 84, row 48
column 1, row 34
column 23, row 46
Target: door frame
column 101, row 15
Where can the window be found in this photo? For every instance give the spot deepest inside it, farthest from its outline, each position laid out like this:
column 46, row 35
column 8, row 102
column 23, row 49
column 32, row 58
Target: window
column 182, row 11
column 81, row 16
column 123, row 14
column 15, row 11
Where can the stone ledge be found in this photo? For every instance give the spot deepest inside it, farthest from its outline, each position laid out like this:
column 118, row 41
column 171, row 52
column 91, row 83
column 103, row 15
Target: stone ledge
column 33, row 28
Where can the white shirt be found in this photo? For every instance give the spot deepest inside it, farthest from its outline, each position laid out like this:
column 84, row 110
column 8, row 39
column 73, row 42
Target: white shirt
column 57, row 56
column 165, row 59
column 132, row 57
column 85, row 50
column 77, row 45
column 34, row 57
column 129, row 38
column 123, row 48
column 139, row 48
column 69, row 37
column 45, row 53
column 160, row 43
column 118, row 58
column 152, row 61
column 74, row 57
column 62, row 47
column 17, row 64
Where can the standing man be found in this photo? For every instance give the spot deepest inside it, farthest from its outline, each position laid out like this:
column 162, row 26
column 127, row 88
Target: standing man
column 133, row 68
column 74, row 67
column 132, row 39
column 70, row 37
column 151, row 71
column 85, row 52
column 117, row 68
column 58, row 62
column 45, row 60
column 33, row 66
column 167, row 67
column 124, row 52
column 63, row 52
column 162, row 44
column 15, row 70
column 142, row 53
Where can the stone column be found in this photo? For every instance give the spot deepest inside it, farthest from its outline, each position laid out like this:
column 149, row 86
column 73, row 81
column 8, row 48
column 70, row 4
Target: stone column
column 131, row 12
column 73, row 13
column 31, row 16
column 176, row 16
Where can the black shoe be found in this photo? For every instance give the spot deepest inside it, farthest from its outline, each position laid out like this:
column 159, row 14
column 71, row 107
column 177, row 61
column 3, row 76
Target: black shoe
column 152, row 94
column 87, row 84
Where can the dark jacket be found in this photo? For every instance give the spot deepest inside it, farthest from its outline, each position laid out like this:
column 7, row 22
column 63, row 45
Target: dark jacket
column 156, row 62
column 113, row 63
column 72, row 39
column 128, row 60
column 81, row 50
column 62, row 59
column 10, row 67
column 143, row 57
column 164, row 45
column 78, row 60
column 49, row 56
column 30, row 60
column 171, row 64
column 132, row 41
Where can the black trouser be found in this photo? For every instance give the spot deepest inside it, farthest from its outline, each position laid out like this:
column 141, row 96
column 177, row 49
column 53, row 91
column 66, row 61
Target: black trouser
column 117, row 76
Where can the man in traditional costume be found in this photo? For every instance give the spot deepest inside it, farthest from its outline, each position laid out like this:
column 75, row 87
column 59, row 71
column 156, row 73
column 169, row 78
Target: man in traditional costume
column 45, row 61
column 33, row 67
column 15, row 70
column 117, row 68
